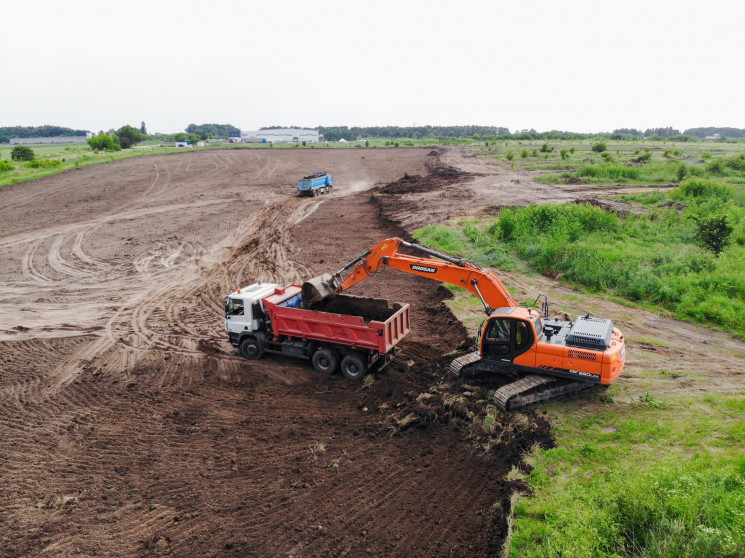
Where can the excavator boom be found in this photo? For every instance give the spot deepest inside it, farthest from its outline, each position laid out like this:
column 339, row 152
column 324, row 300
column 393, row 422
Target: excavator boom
column 441, row 267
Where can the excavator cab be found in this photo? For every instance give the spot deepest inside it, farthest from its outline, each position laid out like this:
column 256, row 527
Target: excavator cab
column 505, row 336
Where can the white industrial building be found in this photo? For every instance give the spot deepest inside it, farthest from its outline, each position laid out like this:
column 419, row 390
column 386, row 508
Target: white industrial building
column 281, row 135
column 51, row 140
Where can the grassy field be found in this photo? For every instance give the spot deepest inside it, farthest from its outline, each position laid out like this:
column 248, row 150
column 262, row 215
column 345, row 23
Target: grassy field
column 626, row 162
column 641, row 472
column 651, row 473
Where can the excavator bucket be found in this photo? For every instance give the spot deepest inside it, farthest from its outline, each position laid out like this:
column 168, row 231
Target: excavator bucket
column 317, row 289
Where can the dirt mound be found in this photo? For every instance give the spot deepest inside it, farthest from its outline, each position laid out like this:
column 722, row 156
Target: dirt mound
column 575, row 180
column 369, row 308
column 438, row 177
column 619, row 208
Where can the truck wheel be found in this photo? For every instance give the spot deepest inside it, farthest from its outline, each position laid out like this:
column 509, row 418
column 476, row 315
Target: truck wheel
column 325, row 361
column 353, row 367
column 251, row 348
column 315, row 192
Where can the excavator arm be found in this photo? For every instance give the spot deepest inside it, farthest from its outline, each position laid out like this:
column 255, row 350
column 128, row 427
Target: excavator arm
column 440, row 267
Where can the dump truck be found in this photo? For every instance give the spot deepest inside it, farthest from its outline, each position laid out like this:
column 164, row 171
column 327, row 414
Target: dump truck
column 544, row 359
column 350, row 333
column 315, row 184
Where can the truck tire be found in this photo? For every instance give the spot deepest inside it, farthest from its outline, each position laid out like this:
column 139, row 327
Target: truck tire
column 325, row 361
column 354, row 367
column 252, row 348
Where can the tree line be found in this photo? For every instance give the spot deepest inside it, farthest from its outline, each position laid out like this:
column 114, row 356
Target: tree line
column 335, row 133
column 206, row 131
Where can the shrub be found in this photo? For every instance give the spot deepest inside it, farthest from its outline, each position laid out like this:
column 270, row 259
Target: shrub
column 712, row 232
column 564, row 154
column 43, row 163
column 510, row 156
column 5, row 166
column 613, row 172
column 524, row 153
column 702, row 188
column 736, row 163
column 599, row 147
column 645, row 157
column 715, row 166
column 104, row 142
column 22, row 153
column 606, row 156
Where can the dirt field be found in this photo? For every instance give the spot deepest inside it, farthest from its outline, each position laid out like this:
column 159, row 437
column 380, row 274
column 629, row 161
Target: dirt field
column 130, row 426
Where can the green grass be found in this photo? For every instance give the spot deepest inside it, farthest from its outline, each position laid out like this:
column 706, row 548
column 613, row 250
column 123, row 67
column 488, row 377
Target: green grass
column 629, row 162
column 657, row 258
column 54, row 159
column 647, row 477
column 649, row 474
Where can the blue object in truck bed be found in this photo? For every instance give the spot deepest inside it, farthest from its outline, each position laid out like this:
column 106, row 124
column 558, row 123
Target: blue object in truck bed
column 318, row 183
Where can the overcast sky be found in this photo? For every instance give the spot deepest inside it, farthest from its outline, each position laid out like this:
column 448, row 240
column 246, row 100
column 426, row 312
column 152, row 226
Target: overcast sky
column 568, row 65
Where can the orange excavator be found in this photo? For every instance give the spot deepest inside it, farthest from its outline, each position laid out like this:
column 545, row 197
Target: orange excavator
column 544, row 359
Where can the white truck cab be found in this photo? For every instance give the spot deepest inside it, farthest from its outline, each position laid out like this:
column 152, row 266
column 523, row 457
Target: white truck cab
column 243, row 310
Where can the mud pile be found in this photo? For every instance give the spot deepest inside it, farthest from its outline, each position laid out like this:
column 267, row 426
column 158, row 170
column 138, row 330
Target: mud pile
column 376, row 309
column 438, row 177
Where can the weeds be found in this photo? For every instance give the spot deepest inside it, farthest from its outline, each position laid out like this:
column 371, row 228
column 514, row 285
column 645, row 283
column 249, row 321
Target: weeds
column 681, row 498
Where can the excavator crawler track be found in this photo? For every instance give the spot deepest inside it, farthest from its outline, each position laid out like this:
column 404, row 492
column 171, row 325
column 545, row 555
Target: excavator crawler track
column 457, row 364
column 529, row 391
column 535, row 390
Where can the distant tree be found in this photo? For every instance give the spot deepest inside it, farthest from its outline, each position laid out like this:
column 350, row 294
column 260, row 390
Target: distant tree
column 104, row 142
column 661, row 132
column 143, row 130
column 22, row 153
column 128, row 136
column 724, row 132
column 206, row 131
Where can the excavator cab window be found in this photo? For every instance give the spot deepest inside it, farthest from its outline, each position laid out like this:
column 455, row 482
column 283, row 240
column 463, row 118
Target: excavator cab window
column 521, row 335
column 497, row 336
column 506, row 338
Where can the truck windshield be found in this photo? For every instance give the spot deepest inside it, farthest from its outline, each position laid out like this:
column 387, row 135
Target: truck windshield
column 234, row 307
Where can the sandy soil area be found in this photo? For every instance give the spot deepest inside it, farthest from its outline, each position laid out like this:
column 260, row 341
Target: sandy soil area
column 130, row 426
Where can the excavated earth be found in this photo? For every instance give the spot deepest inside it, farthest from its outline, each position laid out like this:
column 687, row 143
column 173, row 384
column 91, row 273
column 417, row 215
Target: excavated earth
column 131, row 427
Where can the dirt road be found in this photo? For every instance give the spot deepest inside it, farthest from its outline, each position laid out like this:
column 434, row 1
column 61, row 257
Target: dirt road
column 130, row 427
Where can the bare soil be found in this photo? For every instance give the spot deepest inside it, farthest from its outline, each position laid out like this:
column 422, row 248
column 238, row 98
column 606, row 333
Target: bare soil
column 131, row 427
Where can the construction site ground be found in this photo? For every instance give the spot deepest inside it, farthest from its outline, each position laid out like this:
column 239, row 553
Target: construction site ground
column 131, row 427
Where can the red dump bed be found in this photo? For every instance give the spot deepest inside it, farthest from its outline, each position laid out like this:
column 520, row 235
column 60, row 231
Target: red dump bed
column 287, row 318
